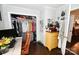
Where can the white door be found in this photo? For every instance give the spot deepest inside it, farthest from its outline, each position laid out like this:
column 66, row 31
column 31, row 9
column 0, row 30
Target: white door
column 62, row 38
column 67, row 37
column 70, row 27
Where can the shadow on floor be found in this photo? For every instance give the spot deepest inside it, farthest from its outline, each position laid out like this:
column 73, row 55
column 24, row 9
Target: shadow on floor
column 37, row 48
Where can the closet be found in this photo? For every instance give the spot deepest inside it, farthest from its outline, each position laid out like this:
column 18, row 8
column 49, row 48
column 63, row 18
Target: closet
column 25, row 27
column 29, row 27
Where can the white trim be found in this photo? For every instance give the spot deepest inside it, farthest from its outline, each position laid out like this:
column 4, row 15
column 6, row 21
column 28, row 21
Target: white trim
column 74, row 9
column 25, row 14
column 71, row 51
column 69, row 40
column 21, row 13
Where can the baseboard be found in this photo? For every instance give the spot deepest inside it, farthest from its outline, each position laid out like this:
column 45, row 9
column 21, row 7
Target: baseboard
column 71, row 51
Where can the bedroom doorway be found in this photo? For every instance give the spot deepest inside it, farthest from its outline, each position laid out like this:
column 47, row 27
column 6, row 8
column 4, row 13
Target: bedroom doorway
column 73, row 44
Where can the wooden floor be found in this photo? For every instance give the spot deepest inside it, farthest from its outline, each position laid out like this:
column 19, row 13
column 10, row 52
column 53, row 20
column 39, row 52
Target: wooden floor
column 36, row 48
column 74, row 45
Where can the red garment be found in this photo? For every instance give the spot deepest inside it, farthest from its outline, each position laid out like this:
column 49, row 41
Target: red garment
column 26, row 44
column 33, row 26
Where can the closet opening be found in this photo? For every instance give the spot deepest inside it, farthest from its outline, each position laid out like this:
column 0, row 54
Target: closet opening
column 24, row 25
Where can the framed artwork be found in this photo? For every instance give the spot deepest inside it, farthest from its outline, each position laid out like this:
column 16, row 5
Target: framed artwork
column 0, row 16
column 41, row 25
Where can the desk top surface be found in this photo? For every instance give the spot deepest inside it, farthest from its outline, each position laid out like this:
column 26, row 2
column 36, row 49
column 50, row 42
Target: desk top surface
column 16, row 50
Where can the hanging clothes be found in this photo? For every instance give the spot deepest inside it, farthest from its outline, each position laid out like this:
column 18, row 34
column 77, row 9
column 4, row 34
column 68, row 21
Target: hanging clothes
column 34, row 30
column 26, row 44
column 30, row 25
column 25, row 26
column 33, row 26
column 20, row 28
column 16, row 26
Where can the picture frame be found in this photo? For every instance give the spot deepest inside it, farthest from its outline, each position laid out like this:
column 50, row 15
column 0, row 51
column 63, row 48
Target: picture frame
column 0, row 16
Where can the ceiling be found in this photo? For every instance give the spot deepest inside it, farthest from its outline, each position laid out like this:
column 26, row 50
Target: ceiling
column 38, row 6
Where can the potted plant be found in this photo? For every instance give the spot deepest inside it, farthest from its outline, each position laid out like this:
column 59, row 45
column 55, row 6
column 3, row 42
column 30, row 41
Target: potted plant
column 4, row 44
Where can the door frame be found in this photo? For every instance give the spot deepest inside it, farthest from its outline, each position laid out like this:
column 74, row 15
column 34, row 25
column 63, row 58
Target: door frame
column 9, row 17
column 69, row 40
column 70, row 29
column 65, row 36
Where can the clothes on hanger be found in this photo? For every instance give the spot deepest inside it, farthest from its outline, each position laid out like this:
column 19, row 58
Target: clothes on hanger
column 30, row 25
column 23, row 25
column 20, row 28
column 33, row 26
column 15, row 25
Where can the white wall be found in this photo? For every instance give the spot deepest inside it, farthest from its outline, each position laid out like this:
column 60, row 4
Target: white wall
column 74, row 6
column 1, row 22
column 47, row 13
column 7, row 9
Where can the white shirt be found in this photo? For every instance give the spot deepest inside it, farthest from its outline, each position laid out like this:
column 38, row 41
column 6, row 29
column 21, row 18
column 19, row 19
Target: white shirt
column 25, row 26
